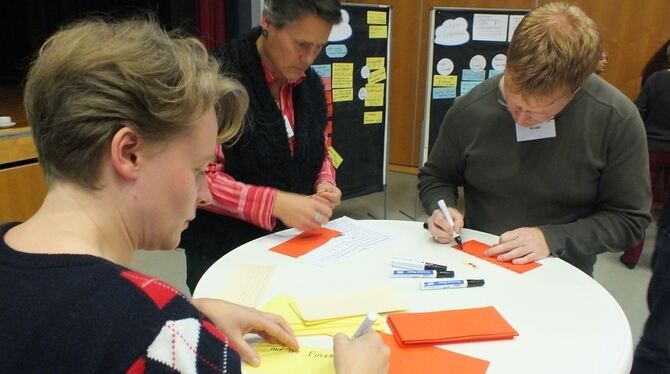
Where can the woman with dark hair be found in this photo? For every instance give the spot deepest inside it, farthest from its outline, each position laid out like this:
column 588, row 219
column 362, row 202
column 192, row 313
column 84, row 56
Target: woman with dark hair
column 654, row 106
column 278, row 174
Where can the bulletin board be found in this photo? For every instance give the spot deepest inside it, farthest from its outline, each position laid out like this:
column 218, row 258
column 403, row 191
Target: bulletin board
column 353, row 66
column 465, row 47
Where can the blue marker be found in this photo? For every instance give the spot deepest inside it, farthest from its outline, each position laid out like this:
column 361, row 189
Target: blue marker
column 456, row 283
column 421, row 274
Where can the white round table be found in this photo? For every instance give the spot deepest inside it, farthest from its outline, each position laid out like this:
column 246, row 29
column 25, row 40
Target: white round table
column 567, row 322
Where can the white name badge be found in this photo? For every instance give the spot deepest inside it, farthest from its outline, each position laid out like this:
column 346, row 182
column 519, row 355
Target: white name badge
column 542, row 130
column 289, row 129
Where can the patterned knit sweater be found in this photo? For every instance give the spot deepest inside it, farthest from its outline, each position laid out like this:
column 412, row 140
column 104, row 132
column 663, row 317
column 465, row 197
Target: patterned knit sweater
column 84, row 314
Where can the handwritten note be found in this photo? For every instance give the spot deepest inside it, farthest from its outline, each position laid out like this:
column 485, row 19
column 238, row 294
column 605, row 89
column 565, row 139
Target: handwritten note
column 371, row 118
column 277, row 359
column 335, row 157
column 376, row 18
column 378, row 32
column 375, row 63
column 343, row 94
column 377, row 76
column 375, row 94
column 355, row 239
column 343, row 75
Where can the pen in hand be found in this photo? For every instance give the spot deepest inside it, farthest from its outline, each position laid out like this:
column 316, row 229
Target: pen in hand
column 367, row 323
column 445, row 212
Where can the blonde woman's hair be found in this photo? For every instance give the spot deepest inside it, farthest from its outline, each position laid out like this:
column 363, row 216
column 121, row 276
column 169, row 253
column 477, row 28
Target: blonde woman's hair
column 555, row 47
column 94, row 77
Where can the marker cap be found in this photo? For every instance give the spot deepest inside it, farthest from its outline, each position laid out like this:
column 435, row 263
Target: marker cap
column 475, row 282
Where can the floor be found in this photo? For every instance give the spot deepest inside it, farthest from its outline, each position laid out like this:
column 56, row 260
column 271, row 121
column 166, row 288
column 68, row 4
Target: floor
column 628, row 287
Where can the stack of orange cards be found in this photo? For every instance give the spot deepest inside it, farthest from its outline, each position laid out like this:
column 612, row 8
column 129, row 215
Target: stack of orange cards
column 477, row 249
column 305, row 242
column 450, row 326
column 426, row 359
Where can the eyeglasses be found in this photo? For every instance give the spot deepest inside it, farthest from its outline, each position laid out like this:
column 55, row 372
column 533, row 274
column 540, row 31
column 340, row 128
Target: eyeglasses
column 536, row 118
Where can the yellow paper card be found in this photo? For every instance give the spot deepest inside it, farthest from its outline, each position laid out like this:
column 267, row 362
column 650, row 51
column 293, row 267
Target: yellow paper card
column 277, row 359
column 376, row 18
column 378, row 32
column 377, row 76
column 375, row 63
column 354, row 303
column 285, row 306
column 335, row 157
column 343, row 75
column 370, row 118
column 444, row 80
column 375, row 94
column 343, row 94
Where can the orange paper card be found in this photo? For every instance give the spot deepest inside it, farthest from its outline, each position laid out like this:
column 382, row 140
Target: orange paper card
column 450, row 326
column 477, row 249
column 428, row 359
column 305, row 242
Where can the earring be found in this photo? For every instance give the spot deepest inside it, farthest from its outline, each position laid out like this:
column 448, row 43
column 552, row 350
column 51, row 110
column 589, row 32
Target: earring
column 264, row 32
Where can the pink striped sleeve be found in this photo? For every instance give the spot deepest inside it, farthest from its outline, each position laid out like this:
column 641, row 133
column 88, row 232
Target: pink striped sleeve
column 327, row 172
column 247, row 202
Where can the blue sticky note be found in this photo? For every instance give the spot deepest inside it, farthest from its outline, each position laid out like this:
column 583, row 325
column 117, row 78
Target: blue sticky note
column 336, row 50
column 444, row 92
column 493, row 73
column 466, row 86
column 471, row 75
column 323, row 70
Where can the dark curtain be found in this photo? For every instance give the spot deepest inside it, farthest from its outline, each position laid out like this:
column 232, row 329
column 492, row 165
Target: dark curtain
column 24, row 25
column 211, row 22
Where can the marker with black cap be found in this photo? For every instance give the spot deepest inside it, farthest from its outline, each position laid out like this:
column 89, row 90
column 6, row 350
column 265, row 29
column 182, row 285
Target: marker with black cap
column 454, row 283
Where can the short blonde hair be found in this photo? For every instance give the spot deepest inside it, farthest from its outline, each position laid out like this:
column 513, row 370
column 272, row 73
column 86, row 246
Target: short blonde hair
column 94, row 77
column 555, row 47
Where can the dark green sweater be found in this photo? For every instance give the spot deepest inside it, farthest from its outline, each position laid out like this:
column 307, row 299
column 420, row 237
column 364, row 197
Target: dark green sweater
column 587, row 188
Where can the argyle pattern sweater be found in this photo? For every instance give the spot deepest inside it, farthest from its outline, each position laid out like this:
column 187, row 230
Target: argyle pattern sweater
column 84, row 314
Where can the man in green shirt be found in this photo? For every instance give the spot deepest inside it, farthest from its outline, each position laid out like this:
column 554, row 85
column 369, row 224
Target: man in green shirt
column 551, row 157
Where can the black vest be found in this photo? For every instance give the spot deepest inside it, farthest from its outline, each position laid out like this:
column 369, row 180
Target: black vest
column 262, row 155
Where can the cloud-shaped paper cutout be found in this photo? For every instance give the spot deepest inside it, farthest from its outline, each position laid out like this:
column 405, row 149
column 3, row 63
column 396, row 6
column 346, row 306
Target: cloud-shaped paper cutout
column 452, row 32
column 342, row 30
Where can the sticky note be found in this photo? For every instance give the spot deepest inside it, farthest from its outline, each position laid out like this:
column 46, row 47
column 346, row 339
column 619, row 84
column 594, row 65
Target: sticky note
column 444, row 92
column 472, row 75
column 466, row 86
column 305, row 242
column 370, row 118
column 335, row 157
column 343, row 75
column 375, row 63
column 444, row 80
column 378, row 32
column 476, row 248
column 375, row 94
column 323, row 70
column 377, row 76
column 376, row 18
column 343, row 94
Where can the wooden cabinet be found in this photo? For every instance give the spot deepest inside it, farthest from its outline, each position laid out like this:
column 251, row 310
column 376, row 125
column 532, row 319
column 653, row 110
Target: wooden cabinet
column 22, row 186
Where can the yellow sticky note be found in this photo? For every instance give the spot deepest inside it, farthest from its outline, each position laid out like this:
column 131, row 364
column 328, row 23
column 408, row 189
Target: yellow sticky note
column 276, row 358
column 343, row 94
column 443, row 80
column 376, row 18
column 370, row 118
column 378, row 32
column 375, row 94
column 335, row 157
column 375, row 63
column 343, row 75
column 377, row 76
